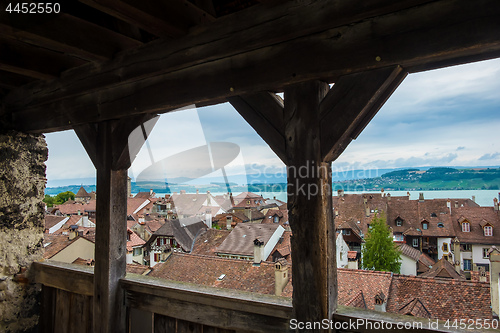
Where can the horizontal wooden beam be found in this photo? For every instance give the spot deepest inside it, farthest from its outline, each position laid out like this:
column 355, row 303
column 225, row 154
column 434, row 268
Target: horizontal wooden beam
column 243, row 54
column 350, row 105
column 35, row 62
column 264, row 112
column 171, row 18
column 77, row 279
column 66, row 34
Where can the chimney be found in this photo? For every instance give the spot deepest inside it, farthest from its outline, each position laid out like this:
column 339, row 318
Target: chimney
column 197, row 191
column 280, row 276
column 456, row 254
column 380, row 303
column 151, row 192
column 421, row 197
column 73, row 232
column 183, row 191
column 495, row 204
column 448, row 204
column 340, row 193
column 85, row 220
column 408, row 194
column 79, row 213
column 367, row 211
column 208, row 218
column 258, row 251
column 229, row 220
column 129, row 187
column 494, row 255
column 209, row 202
column 474, row 198
column 388, row 197
column 456, row 204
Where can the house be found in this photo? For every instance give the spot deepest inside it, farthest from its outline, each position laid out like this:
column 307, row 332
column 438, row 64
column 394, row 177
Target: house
column 134, row 248
column 82, row 196
column 266, row 278
column 414, row 262
column 444, row 269
column 283, row 249
column 342, row 250
column 476, row 230
column 194, row 204
column 174, row 235
column 277, row 216
column 68, row 248
column 54, row 223
column 207, row 242
column 245, row 236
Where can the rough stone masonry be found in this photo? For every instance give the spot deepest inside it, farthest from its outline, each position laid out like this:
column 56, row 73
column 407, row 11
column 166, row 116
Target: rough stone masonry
column 22, row 185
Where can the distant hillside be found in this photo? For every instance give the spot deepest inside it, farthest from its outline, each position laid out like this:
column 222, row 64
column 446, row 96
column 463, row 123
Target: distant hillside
column 431, row 179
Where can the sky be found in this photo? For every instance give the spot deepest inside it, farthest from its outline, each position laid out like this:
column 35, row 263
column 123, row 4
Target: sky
column 445, row 117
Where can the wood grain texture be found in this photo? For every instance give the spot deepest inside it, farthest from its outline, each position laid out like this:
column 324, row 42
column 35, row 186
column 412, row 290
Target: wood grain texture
column 309, row 205
column 240, row 57
column 350, row 105
column 264, row 112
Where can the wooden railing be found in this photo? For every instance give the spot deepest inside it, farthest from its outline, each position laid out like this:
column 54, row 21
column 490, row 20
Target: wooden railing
column 157, row 305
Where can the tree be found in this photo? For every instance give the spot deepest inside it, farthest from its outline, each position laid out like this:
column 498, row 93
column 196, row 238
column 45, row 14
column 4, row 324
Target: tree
column 379, row 251
column 59, row 198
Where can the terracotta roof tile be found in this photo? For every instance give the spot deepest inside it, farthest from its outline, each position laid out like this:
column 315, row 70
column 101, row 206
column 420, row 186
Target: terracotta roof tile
column 240, row 240
column 206, row 243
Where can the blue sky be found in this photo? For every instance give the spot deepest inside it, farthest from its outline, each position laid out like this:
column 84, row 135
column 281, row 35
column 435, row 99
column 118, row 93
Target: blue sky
column 445, row 117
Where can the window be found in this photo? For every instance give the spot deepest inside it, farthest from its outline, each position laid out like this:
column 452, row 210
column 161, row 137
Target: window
column 466, row 247
column 465, row 227
column 276, row 219
column 128, row 237
column 346, row 232
column 467, row 264
column 399, row 238
column 157, row 257
column 445, row 247
column 433, row 215
column 137, row 252
column 485, row 253
column 415, row 242
column 425, row 225
column 399, row 222
column 248, row 202
column 440, row 225
column 488, row 230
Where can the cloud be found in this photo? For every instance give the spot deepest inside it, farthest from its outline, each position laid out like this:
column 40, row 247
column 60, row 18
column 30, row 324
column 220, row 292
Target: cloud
column 489, row 156
column 460, row 148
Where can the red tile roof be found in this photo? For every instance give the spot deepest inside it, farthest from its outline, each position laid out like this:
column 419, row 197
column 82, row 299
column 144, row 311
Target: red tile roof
column 206, row 243
column 477, row 216
column 240, row 240
column 135, row 240
column 443, row 269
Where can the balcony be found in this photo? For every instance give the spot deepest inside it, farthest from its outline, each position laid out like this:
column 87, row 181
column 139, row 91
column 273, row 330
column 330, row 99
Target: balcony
column 156, row 305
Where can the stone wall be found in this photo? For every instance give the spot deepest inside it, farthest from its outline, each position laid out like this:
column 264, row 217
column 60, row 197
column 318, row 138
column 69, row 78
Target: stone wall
column 22, row 185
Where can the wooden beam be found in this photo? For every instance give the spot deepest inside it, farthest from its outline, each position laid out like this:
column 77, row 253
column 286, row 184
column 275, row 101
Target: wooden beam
column 171, row 18
column 24, row 59
column 66, row 34
column 111, row 238
column 240, row 57
column 87, row 134
column 310, row 209
column 264, row 112
column 350, row 105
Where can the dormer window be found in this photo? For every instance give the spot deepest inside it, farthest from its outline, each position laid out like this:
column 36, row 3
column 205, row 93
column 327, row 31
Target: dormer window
column 488, row 230
column 440, row 225
column 425, row 225
column 433, row 215
column 399, row 222
column 276, row 219
column 346, row 232
column 465, row 227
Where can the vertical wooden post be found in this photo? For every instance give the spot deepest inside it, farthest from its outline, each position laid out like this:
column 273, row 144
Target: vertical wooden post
column 110, row 245
column 309, row 205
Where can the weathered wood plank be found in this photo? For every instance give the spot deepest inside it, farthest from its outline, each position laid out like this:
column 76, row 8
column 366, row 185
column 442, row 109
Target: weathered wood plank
column 35, row 62
column 444, row 38
column 280, row 307
column 62, row 322
column 210, row 315
column 350, row 105
column 47, row 310
column 264, row 112
column 87, row 134
column 72, row 278
column 164, row 324
column 110, row 245
column 66, row 34
column 309, row 205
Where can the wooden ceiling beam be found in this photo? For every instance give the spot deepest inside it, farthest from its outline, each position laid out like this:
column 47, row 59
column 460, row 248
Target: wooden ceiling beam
column 351, row 104
column 170, row 18
column 264, row 112
column 228, row 60
column 35, row 62
column 66, row 34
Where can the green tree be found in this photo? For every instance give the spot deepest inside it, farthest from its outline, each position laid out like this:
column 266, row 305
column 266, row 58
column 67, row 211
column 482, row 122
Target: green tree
column 59, row 198
column 379, row 251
